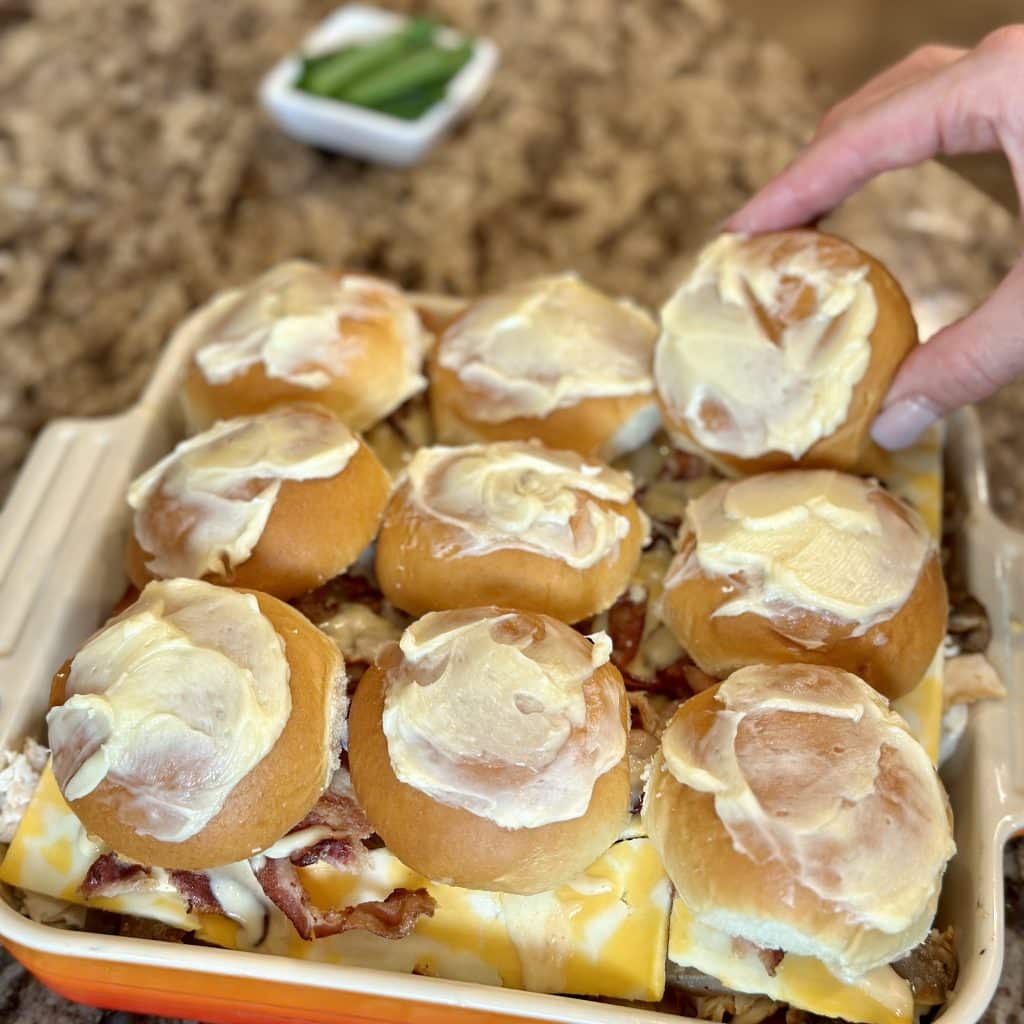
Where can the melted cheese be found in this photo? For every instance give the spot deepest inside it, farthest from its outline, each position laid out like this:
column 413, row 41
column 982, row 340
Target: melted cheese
column 808, row 539
column 224, row 482
column 548, row 344
column 176, row 700
column 763, row 344
column 613, row 919
column 504, row 728
column 517, row 495
column 878, row 997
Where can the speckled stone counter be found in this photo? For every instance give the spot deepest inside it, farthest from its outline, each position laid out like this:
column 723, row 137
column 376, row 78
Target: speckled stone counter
column 137, row 176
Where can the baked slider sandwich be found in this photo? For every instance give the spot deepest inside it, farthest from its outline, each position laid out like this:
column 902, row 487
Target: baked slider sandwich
column 552, row 359
column 806, row 834
column 509, row 523
column 280, row 501
column 302, row 333
column 777, row 351
column 488, row 749
column 807, row 566
column 197, row 737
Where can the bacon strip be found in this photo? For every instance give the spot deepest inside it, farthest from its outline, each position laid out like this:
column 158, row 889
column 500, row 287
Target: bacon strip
column 626, row 629
column 322, row 603
column 108, row 875
column 197, row 892
column 391, row 918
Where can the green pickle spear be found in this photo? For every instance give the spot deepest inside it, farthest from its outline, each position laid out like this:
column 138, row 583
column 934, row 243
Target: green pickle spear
column 333, row 73
column 412, row 105
column 432, row 66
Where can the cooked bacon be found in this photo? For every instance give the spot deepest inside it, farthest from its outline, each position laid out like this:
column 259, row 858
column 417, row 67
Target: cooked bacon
column 110, row 876
column 197, row 892
column 771, row 958
column 320, row 604
column 343, row 854
column 626, row 629
column 341, row 814
column 391, row 918
column 674, row 680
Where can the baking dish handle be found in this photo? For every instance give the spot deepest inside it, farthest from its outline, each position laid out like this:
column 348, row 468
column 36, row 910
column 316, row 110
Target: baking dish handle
column 48, row 574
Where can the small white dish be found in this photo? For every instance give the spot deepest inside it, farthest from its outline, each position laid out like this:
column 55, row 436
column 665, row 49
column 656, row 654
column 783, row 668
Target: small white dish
column 345, row 128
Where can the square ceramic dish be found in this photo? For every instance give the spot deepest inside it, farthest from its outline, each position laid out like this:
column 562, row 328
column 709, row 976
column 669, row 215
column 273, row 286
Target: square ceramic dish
column 62, row 535
column 344, row 128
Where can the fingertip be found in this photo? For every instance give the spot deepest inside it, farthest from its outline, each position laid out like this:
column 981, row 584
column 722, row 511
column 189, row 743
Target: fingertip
column 902, row 422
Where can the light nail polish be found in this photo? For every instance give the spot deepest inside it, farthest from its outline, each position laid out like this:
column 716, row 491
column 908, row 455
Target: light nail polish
column 902, row 423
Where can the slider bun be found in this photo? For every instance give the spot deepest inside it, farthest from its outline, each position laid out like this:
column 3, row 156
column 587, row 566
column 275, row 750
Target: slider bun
column 894, row 335
column 597, row 348
column 279, row 791
column 892, row 654
column 316, row 529
column 452, row 845
column 372, row 366
column 594, row 427
column 426, row 562
column 865, row 778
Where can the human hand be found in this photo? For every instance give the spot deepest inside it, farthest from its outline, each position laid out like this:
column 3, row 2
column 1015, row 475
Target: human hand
column 939, row 100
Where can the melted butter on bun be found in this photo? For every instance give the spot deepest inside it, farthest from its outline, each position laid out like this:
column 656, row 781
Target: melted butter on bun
column 807, row 539
column 304, row 323
column 763, row 344
column 521, row 495
column 548, row 344
column 487, row 712
column 226, row 481
column 176, row 701
column 811, row 772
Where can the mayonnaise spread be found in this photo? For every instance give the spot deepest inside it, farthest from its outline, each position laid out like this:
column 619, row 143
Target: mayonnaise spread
column 545, row 345
column 487, row 712
column 306, row 325
column 763, row 344
column 520, row 495
column 816, row 540
column 813, row 773
column 176, row 700
column 223, row 483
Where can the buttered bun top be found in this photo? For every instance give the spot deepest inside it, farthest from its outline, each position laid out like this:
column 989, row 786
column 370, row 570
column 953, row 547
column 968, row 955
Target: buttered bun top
column 807, row 565
column 164, row 717
column 778, row 350
column 488, row 748
column 255, row 501
column 301, row 332
column 794, row 810
column 552, row 359
column 511, row 521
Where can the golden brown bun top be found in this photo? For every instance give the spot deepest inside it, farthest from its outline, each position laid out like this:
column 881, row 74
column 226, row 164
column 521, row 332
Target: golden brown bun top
column 544, row 345
column 794, row 809
column 198, row 726
column 349, row 342
column 778, row 350
column 500, row 712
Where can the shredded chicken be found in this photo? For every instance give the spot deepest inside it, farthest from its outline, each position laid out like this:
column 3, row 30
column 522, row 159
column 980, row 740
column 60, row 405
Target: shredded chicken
column 734, row 1008
column 967, row 678
column 19, row 776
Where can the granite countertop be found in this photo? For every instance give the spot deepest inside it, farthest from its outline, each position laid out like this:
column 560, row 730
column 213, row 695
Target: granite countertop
column 137, row 176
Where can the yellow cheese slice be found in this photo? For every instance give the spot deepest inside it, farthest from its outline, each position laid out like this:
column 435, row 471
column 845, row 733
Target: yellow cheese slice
column 916, row 476
column 879, row 997
column 605, row 933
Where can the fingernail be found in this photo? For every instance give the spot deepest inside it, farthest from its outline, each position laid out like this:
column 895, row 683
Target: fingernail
column 902, row 423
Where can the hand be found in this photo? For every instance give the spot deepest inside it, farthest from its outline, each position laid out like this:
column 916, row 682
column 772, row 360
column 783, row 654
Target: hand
column 938, row 100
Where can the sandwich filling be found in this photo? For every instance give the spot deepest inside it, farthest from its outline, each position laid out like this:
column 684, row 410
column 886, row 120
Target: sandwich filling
column 522, row 496
column 176, row 700
column 545, row 345
column 496, row 712
column 306, row 325
column 763, row 344
column 223, row 485
column 812, row 540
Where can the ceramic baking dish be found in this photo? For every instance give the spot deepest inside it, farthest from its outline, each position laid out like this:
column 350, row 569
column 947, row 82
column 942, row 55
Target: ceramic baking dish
column 61, row 552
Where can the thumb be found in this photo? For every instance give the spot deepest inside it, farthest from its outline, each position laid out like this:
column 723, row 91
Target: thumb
column 967, row 361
